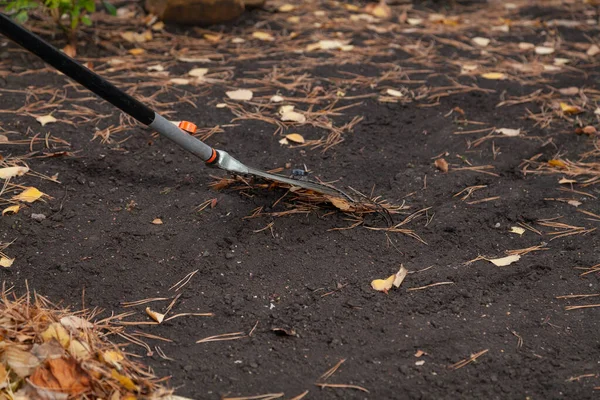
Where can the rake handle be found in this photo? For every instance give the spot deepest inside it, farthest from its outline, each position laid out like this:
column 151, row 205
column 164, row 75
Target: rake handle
column 104, row 89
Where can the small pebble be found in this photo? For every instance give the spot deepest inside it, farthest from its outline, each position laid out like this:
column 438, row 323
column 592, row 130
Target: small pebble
column 38, row 217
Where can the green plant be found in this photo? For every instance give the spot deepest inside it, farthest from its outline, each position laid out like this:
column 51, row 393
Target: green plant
column 68, row 14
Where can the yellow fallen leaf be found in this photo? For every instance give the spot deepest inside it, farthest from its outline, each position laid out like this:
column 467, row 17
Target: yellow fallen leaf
column 295, row 137
column 45, row 119
column 570, row 109
column 136, row 51
column 134, row 37
column 79, row 350
column 112, row 357
column 125, row 381
column 158, row 317
column 9, row 172
column 157, row 221
column 504, row 261
column 264, row 36
column 6, row 262
column 383, row 285
column 494, row 75
column 240, row 94
column 159, row 26
column 557, row 163
column 351, row 7
column 29, row 195
column 286, row 8
column 58, row 332
column 211, row 37
column 379, row 10
column 517, row 229
column 11, row 209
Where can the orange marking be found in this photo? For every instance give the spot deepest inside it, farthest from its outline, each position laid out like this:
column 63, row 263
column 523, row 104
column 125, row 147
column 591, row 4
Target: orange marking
column 188, row 127
column 212, row 158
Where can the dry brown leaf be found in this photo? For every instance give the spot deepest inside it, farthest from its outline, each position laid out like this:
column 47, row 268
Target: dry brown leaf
column 136, row 51
column 157, row 221
column 64, row 375
column 134, row 37
column 286, row 8
column 158, row 317
column 70, row 50
column 557, row 164
column 394, row 93
column 441, row 164
column 574, row 203
column 74, row 323
column 400, row 275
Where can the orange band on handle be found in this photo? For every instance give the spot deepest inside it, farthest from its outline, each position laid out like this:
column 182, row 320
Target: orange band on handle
column 188, row 127
column 213, row 157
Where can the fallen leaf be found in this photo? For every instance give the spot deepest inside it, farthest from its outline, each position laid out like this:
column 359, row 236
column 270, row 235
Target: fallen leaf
column 58, row 332
column 45, row 119
column 134, row 37
column 3, row 138
column 286, row 8
column 64, row 375
column 264, row 36
column 481, row 41
column 574, row 203
column 340, row 203
column 509, row 132
column 158, row 317
column 394, row 93
column 70, row 50
column 9, row 172
column 329, row 45
column 526, row 46
column 3, row 376
column 284, row 142
column 221, row 105
column 569, row 91
column 494, row 76
column 157, row 221
column 543, row 50
column 6, row 262
column 276, row 99
column 125, row 381
column 419, row 363
column 112, row 357
column 293, row 116
column 136, row 51
column 589, row 130
column 21, row 362
column 414, row 21
column 557, row 163
column 240, row 94
column 11, row 209
column 79, row 350
column 570, row 109
column 561, row 61
column 157, row 68
column 198, row 72
column 441, row 164
column 211, row 37
column 564, row 181
column 75, row 323
column 504, row 261
column 295, row 137
column 193, row 59
column 517, row 229
column 383, row 285
column 379, row 10
column 420, row 353
column 400, row 275
column 284, row 332
column 179, row 81
column 159, row 26
column 593, row 50
column 29, row 195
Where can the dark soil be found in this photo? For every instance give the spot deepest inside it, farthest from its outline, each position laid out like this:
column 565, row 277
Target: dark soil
column 95, row 238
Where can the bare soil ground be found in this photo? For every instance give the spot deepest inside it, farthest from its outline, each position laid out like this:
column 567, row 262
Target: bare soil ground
column 294, row 286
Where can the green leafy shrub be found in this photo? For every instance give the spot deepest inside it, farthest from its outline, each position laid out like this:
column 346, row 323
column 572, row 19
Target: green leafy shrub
column 68, row 14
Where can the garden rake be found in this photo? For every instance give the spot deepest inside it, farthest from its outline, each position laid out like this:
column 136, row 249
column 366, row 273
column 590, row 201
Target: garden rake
column 180, row 134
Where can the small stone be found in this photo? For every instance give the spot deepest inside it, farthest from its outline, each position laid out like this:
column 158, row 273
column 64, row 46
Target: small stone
column 92, row 184
column 38, row 217
column 188, row 368
column 229, row 256
column 497, row 225
column 81, row 180
column 206, row 254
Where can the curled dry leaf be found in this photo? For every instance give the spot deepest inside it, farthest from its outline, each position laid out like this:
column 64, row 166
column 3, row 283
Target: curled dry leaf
column 6, row 262
column 481, row 41
column 45, row 119
column 400, row 275
column 11, row 209
column 509, row 132
column 574, row 203
column 494, row 75
column 504, row 261
column 517, row 229
column 158, row 317
column 570, row 109
column 157, row 221
column 58, row 332
column 441, row 164
column 288, row 114
column 63, row 375
column 240, row 94
column 264, row 36
column 295, row 137
column 9, row 172
column 383, row 285
column 29, row 195
column 198, row 72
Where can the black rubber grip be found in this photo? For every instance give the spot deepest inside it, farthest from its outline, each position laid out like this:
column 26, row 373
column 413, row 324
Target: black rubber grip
column 75, row 71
